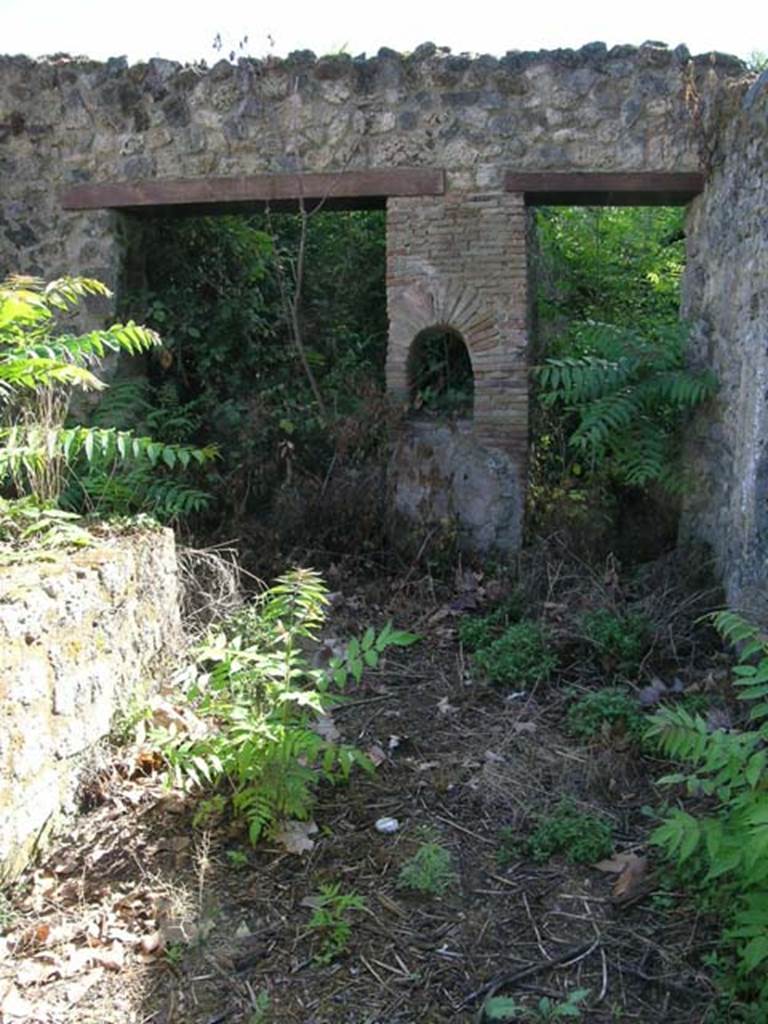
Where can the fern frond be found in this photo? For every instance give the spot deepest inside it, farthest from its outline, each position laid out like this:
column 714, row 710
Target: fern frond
column 605, row 418
column 575, row 381
column 34, row 372
column 24, row 448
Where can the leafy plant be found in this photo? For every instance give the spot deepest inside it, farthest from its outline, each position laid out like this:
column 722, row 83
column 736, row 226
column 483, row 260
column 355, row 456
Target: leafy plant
column 545, row 1010
column 728, row 769
column 430, row 870
column 40, row 361
column 612, row 707
column 521, row 656
column 330, row 920
column 221, row 291
column 258, row 706
column 619, row 640
column 477, row 631
column 26, row 521
column 260, row 1005
column 581, row 836
column 628, row 394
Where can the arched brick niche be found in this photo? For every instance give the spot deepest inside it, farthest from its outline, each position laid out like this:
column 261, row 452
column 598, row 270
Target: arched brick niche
column 440, row 376
column 460, row 260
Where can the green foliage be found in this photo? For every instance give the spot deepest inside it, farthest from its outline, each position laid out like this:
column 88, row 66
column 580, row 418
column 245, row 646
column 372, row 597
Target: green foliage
column 261, row 1005
column 618, row 265
column 728, row 769
column 217, row 288
column 27, row 521
column 582, row 837
column 258, row 704
column 547, row 1009
column 330, row 920
column 440, row 374
column 477, row 631
column 430, row 870
column 40, row 360
column 613, row 708
column 619, row 640
column 521, row 656
column 35, row 349
column 628, row 394
column 612, row 390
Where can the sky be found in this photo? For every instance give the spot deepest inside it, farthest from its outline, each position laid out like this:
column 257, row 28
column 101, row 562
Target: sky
column 141, row 29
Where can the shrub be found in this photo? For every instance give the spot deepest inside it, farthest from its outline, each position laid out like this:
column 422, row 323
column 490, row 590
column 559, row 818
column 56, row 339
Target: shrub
column 479, row 630
column 522, row 656
column 619, row 641
column 727, row 843
column 629, row 395
column 582, row 837
column 614, row 707
column 330, row 920
column 256, row 708
column 430, row 870
column 40, row 362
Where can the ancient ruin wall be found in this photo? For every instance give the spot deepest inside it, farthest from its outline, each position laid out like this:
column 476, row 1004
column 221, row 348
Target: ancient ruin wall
column 726, row 301
column 79, row 634
column 65, row 122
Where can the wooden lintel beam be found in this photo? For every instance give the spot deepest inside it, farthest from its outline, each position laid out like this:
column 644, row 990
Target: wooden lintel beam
column 610, row 188
column 344, row 189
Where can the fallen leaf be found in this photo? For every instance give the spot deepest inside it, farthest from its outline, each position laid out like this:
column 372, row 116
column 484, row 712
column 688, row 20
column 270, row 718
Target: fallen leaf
column 113, row 958
column 617, row 863
column 493, row 758
column 34, row 972
column 376, row 754
column 442, row 613
column 652, row 694
column 325, row 727
column 294, row 836
column 631, row 882
column 15, row 1006
column 75, row 991
column 152, row 942
column 631, row 870
column 719, row 719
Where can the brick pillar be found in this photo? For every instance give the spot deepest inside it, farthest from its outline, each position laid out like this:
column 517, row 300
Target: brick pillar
column 460, row 261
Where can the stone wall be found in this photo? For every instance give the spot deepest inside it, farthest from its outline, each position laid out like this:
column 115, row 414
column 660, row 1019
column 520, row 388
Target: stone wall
column 71, row 121
column 68, row 121
column 726, row 300
column 79, row 635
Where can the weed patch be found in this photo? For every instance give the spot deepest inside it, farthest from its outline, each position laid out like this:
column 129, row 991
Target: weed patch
column 430, row 870
column 331, row 920
column 522, row 656
column 613, row 709
column 582, row 837
column 618, row 642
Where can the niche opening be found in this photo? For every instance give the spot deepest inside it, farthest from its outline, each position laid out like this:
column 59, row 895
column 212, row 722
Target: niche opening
column 440, row 379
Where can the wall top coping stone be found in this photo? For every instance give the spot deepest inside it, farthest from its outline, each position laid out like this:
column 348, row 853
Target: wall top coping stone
column 427, row 56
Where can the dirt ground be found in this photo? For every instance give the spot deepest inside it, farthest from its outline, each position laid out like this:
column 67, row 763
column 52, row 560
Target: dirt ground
column 137, row 916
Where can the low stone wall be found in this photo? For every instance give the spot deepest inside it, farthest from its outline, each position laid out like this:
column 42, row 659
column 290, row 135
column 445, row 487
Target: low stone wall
column 79, row 635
